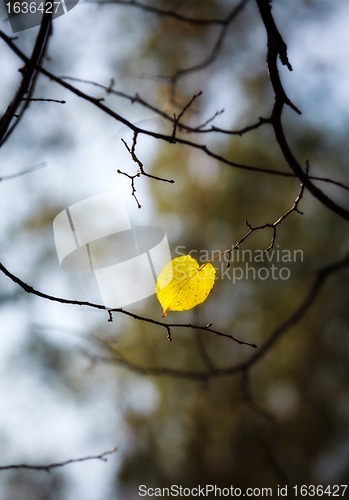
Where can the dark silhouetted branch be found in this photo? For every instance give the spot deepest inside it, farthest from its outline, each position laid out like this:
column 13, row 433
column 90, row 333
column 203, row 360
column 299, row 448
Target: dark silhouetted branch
column 29, row 72
column 197, row 130
column 180, row 126
column 29, row 289
column 277, row 47
column 177, row 118
column 155, row 135
column 141, row 171
column 258, row 228
column 48, row 468
column 166, row 138
column 283, row 217
column 31, row 99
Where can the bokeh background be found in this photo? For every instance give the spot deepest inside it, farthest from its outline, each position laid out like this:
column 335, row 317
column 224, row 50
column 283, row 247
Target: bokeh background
column 65, row 388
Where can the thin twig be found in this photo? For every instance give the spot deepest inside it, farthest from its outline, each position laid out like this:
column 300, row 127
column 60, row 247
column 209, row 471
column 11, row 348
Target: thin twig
column 187, row 106
column 217, row 113
column 141, row 170
column 211, row 58
column 132, row 177
column 47, row 468
column 32, row 99
column 23, row 172
column 257, row 228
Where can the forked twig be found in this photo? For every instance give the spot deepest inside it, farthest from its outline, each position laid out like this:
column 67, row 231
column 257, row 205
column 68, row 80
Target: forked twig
column 141, row 170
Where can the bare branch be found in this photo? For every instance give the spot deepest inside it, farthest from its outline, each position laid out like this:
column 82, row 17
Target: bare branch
column 132, row 177
column 27, row 288
column 31, row 99
column 167, row 326
column 211, row 57
column 330, row 181
column 185, row 374
column 22, row 172
column 181, row 126
column 166, row 138
column 257, row 228
column 141, row 171
column 29, row 72
column 187, row 106
column 198, row 130
column 132, row 152
column 47, row 468
column 322, row 276
column 277, row 47
column 294, row 208
column 163, row 13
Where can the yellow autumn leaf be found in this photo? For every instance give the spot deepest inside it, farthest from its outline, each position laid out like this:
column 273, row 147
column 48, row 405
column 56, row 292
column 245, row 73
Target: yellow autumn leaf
column 183, row 284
